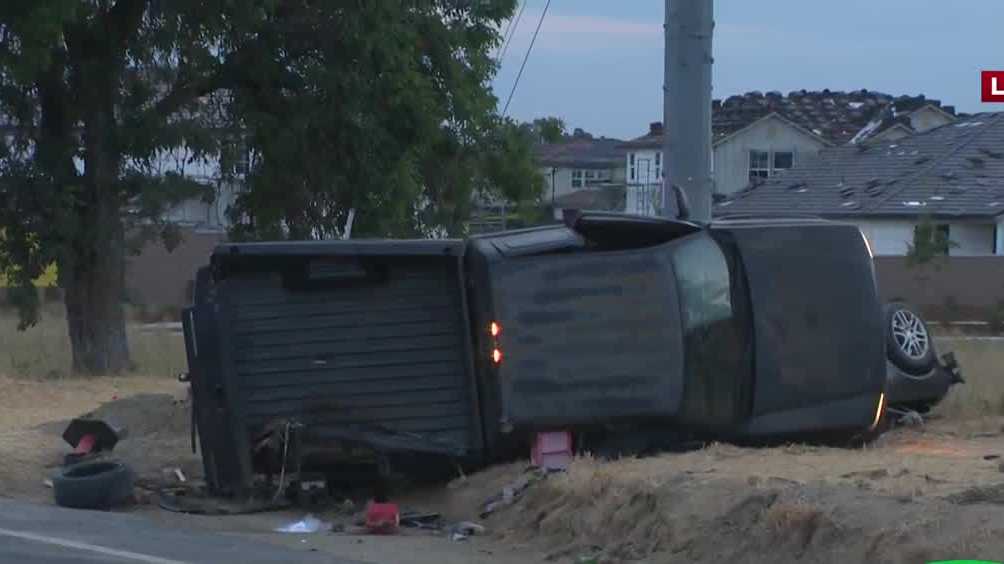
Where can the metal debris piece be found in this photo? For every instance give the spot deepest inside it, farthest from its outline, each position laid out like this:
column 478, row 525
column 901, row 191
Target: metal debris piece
column 465, row 529
column 307, row 525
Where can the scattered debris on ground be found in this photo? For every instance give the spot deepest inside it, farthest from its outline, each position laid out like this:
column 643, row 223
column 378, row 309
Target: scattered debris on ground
column 919, row 493
column 307, row 525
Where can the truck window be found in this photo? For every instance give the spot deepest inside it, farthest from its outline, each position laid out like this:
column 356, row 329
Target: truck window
column 703, row 279
column 716, row 362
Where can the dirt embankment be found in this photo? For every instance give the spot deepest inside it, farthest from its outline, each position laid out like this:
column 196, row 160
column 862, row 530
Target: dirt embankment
column 34, row 414
column 916, row 496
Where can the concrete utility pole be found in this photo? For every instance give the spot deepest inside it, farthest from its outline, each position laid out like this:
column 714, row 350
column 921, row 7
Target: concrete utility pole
column 687, row 111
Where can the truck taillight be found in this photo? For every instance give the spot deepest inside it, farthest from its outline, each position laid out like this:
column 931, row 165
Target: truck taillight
column 495, row 330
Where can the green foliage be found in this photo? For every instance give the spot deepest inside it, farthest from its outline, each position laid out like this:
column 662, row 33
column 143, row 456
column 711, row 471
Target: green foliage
column 382, row 107
column 387, row 110
column 930, row 242
column 550, row 129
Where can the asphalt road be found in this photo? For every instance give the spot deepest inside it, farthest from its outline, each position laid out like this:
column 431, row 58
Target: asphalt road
column 35, row 534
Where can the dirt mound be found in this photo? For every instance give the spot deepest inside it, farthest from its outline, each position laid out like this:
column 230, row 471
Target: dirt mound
column 159, row 436
column 911, row 499
column 143, row 415
column 681, row 518
column 149, row 415
column 33, row 415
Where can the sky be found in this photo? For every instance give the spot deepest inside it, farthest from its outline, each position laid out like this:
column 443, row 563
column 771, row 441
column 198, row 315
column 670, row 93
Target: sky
column 598, row 64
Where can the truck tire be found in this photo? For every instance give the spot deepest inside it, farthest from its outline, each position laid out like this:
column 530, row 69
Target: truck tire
column 908, row 342
column 93, row 485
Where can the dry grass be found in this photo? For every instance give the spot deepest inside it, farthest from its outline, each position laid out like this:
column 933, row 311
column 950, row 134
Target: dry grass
column 28, row 452
column 982, row 363
column 43, row 352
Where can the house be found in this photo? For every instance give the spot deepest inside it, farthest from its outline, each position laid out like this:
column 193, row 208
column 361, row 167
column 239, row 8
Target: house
column 757, row 135
column 609, row 198
column 581, row 162
column 952, row 175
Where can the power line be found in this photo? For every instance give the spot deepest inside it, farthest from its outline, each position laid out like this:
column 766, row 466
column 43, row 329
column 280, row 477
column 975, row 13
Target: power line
column 526, row 57
column 511, row 30
column 505, row 36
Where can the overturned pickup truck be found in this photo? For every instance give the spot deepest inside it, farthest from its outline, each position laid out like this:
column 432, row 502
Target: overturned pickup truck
column 314, row 356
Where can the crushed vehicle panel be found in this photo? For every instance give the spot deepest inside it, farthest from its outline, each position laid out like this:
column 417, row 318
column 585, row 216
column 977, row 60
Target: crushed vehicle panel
column 347, row 344
column 314, row 355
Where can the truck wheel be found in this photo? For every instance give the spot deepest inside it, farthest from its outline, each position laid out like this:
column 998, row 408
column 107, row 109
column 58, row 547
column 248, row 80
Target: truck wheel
column 93, row 485
column 908, row 341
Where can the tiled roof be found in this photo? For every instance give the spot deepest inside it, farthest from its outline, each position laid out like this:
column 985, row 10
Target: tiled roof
column 956, row 170
column 600, row 199
column 586, row 153
column 838, row 117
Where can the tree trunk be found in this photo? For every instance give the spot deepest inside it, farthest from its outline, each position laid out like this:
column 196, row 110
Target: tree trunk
column 95, row 288
column 95, row 283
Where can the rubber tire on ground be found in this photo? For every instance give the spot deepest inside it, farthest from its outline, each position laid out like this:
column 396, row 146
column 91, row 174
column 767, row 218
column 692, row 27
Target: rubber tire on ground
column 93, row 485
column 896, row 355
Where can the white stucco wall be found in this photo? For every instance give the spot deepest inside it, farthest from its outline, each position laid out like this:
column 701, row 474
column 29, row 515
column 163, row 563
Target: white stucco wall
column 563, row 181
column 887, row 237
column 731, row 157
column 205, row 215
column 893, row 237
column 973, row 239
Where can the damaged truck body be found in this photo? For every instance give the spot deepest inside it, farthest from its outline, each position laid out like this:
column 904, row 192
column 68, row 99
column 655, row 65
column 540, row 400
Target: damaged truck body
column 316, row 356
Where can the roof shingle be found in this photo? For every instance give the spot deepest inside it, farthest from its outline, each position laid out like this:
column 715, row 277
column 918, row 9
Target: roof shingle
column 838, row 117
column 585, row 153
column 956, row 170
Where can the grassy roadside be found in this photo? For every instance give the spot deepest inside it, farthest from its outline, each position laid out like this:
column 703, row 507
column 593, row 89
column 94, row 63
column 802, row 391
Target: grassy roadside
column 43, row 352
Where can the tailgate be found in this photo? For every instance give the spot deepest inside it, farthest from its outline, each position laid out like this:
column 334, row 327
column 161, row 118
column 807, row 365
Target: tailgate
column 350, row 341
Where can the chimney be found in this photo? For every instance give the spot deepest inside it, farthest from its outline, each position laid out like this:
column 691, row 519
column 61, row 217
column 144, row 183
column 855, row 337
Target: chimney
column 655, row 128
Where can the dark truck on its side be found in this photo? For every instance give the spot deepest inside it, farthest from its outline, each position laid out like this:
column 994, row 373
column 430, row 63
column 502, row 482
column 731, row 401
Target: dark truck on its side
column 316, row 356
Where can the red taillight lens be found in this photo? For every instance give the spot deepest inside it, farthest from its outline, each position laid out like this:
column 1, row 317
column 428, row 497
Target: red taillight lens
column 495, row 329
column 497, row 355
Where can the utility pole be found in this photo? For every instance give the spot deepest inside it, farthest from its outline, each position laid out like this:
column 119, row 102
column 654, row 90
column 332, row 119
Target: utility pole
column 687, row 106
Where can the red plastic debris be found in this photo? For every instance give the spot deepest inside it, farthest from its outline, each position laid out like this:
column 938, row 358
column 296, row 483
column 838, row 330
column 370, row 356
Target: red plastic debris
column 552, row 451
column 383, row 518
column 86, row 444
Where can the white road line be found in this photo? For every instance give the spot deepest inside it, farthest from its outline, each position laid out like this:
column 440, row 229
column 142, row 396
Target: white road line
column 124, row 554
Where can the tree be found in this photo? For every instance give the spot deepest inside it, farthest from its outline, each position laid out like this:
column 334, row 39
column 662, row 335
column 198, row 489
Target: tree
column 930, row 243
column 550, row 129
column 388, row 112
column 344, row 106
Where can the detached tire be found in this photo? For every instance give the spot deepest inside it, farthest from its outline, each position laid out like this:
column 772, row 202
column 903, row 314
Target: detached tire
column 93, row 485
column 908, row 341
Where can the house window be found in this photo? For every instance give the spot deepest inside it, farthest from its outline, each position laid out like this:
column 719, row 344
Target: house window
column 658, row 166
column 576, row 179
column 759, row 164
column 783, row 161
column 764, row 164
column 586, row 178
column 631, row 165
